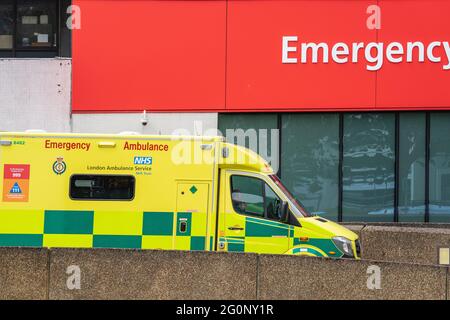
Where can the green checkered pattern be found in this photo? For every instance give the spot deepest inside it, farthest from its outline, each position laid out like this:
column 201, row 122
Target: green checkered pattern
column 103, row 229
column 265, row 233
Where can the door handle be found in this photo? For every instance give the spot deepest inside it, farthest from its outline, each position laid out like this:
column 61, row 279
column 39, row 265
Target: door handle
column 235, row 228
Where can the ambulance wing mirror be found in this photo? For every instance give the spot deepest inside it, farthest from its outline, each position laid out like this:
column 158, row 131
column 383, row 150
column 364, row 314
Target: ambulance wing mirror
column 284, row 211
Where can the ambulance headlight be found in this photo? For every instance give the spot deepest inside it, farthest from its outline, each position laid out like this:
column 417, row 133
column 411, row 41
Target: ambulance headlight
column 345, row 245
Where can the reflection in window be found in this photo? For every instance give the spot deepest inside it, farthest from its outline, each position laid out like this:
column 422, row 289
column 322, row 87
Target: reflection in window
column 439, row 167
column 310, row 160
column 257, row 132
column 254, row 197
column 6, row 24
column 411, row 200
column 368, row 167
column 247, row 195
column 272, row 204
column 36, row 24
column 102, row 187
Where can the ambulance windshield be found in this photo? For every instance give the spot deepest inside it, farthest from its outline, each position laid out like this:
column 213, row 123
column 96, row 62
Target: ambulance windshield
column 291, row 198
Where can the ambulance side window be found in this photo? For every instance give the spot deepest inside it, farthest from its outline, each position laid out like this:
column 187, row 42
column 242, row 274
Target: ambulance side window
column 252, row 196
column 102, row 187
column 272, row 204
column 247, row 195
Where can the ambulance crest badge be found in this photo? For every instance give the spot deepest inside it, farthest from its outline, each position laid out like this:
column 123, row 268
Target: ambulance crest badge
column 59, row 166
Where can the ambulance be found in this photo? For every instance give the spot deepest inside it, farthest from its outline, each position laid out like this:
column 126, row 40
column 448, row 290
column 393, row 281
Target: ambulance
column 153, row 192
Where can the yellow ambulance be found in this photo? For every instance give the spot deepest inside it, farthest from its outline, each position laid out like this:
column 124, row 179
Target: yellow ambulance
column 153, row 192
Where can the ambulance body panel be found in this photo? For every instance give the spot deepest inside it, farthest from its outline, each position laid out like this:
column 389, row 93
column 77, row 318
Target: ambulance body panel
column 153, row 192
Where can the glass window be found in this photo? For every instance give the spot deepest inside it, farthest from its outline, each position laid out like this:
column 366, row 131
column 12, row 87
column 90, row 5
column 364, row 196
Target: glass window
column 294, row 201
column 368, row 167
column 65, row 43
column 257, row 132
column 272, row 204
column 439, row 167
column 247, row 195
column 254, row 197
column 6, row 25
column 310, row 163
column 36, row 24
column 310, row 160
column 102, row 187
column 412, row 141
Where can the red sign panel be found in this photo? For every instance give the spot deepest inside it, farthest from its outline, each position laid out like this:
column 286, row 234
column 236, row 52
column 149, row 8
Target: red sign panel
column 272, row 55
column 16, row 171
column 16, row 182
column 420, row 85
column 257, row 77
column 154, row 55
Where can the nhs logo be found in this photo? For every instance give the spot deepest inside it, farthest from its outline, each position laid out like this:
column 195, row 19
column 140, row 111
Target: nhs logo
column 143, row 160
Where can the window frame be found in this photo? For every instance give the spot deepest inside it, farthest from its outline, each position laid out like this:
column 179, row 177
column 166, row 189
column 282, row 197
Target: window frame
column 233, row 202
column 133, row 178
column 264, row 183
column 397, row 115
column 265, row 201
column 13, row 3
column 36, row 52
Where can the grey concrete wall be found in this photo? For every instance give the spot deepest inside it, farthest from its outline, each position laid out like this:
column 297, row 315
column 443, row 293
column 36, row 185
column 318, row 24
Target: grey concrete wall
column 23, row 273
column 156, row 274
column 158, row 123
column 35, row 94
column 133, row 274
column 303, row 278
column 399, row 224
column 403, row 244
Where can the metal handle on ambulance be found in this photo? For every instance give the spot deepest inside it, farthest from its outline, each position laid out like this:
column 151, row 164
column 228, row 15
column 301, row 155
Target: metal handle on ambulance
column 235, row 228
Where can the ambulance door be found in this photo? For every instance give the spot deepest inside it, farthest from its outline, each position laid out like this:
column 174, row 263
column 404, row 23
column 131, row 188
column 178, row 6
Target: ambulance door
column 191, row 218
column 251, row 221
